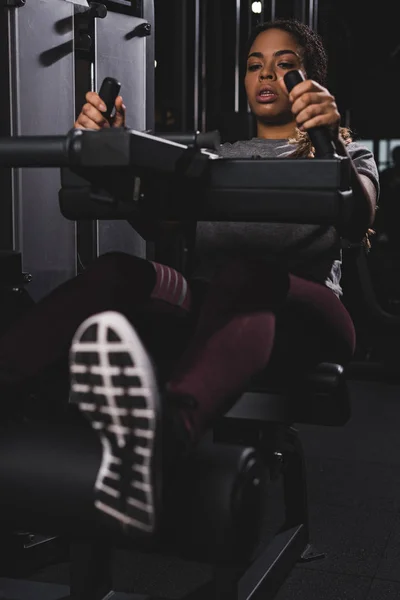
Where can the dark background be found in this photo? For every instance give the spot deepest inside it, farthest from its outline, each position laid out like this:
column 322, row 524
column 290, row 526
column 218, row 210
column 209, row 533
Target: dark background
column 361, row 41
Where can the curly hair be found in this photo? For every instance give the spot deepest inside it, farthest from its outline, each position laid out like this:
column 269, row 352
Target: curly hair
column 315, row 61
column 312, row 50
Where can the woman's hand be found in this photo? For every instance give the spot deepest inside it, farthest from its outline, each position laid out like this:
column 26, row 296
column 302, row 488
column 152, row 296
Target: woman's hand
column 313, row 106
column 91, row 116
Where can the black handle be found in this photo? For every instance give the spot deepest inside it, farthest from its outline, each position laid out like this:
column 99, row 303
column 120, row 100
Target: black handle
column 210, row 140
column 108, row 93
column 320, row 136
column 96, row 10
column 86, row 14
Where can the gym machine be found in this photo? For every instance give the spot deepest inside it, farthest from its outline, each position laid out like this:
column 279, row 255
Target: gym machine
column 52, row 52
column 47, row 473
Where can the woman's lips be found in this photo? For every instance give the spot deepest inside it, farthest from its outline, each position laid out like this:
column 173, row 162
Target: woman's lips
column 266, row 98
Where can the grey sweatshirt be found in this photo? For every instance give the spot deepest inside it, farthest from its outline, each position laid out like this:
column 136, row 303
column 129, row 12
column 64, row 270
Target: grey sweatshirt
column 310, row 251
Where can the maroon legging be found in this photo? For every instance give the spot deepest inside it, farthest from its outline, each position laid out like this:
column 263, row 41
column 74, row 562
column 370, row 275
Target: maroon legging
column 252, row 315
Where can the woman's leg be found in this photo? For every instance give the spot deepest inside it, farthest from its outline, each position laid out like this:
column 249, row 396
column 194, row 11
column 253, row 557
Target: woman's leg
column 115, row 281
column 237, row 331
column 114, row 384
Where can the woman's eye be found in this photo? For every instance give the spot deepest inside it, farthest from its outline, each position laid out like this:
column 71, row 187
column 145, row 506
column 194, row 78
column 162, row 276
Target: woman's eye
column 253, row 67
column 286, row 65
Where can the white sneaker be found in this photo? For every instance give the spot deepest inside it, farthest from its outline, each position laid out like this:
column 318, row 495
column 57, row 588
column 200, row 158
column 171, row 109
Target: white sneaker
column 114, row 385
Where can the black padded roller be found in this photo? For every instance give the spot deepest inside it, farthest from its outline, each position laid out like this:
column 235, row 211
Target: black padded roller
column 108, row 93
column 320, row 136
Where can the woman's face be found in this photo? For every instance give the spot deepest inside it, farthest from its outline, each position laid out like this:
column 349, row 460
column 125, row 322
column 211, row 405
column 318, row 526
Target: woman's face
column 273, row 53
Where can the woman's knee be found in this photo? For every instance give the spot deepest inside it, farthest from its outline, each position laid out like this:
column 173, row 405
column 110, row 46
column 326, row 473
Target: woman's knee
column 324, row 317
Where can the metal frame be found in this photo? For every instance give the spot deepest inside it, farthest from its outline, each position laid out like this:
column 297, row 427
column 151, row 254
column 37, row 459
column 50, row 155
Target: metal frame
column 115, row 39
column 40, row 59
column 7, row 233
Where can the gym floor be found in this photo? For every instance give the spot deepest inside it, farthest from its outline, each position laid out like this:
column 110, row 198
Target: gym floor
column 354, row 502
column 354, row 496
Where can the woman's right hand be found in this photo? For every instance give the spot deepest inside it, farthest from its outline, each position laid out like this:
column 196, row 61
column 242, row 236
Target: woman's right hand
column 91, row 116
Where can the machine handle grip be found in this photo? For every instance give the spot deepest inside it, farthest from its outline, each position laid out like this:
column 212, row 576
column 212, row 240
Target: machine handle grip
column 320, row 136
column 211, row 140
column 96, row 10
column 108, row 93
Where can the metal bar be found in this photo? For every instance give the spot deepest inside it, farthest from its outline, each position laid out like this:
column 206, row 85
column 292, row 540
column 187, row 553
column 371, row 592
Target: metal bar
column 237, row 57
column 313, row 14
column 183, row 58
column 15, row 127
column 204, row 66
column 273, row 9
column 88, row 232
column 316, row 15
column 149, row 16
column 196, row 63
column 268, row 572
column 7, row 226
column 300, row 10
column 249, row 30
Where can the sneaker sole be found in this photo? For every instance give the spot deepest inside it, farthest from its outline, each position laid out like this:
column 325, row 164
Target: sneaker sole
column 114, row 385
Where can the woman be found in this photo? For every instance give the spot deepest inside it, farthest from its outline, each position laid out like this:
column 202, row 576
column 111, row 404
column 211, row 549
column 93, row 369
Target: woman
column 257, row 288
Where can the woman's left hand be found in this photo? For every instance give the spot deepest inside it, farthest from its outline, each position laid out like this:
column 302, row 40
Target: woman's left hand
column 313, row 106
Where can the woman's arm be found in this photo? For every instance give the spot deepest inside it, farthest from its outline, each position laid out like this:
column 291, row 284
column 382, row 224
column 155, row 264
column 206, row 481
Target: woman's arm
column 365, row 199
column 313, row 105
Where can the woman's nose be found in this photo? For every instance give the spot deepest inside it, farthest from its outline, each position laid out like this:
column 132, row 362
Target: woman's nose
column 267, row 74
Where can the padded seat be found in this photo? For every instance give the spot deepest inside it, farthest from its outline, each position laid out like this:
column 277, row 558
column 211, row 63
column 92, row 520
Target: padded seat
column 320, row 397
